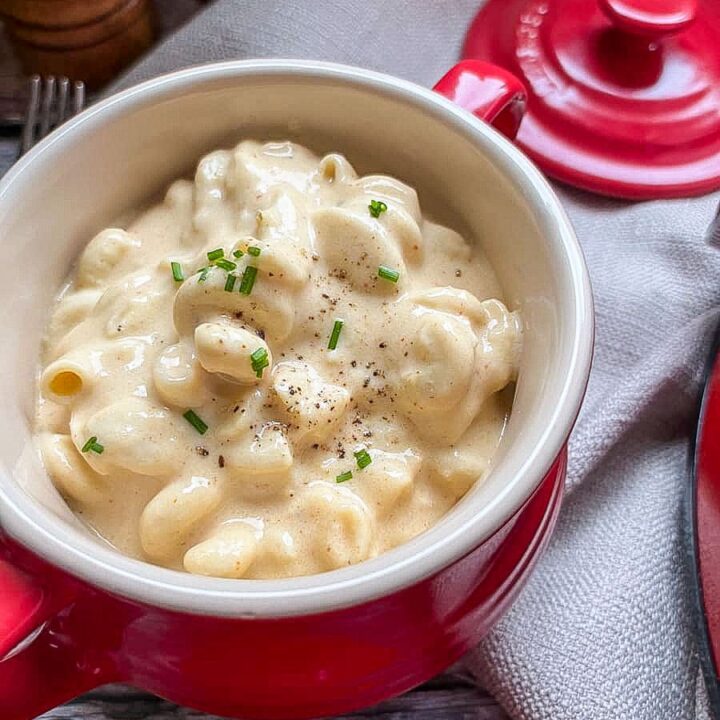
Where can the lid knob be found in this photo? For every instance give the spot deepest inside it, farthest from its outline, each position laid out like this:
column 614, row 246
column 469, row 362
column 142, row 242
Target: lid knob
column 650, row 18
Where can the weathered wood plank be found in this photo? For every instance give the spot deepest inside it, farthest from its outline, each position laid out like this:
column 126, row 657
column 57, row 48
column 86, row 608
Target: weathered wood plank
column 438, row 700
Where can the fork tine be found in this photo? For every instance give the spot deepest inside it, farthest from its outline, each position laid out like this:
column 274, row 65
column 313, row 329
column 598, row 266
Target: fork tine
column 28, row 135
column 78, row 97
column 51, row 103
column 46, row 106
column 62, row 101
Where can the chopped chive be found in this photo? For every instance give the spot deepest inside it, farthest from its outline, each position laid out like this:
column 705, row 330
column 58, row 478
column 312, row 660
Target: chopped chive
column 363, row 458
column 94, row 445
column 344, row 477
column 259, row 361
column 225, row 264
column 335, row 334
column 258, row 355
column 248, row 280
column 388, row 273
column 196, row 421
column 216, row 254
column 238, row 253
column 376, row 207
column 254, row 251
column 230, row 283
column 177, row 271
column 203, row 274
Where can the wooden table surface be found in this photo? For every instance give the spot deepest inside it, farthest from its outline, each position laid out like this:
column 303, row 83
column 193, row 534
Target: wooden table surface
column 448, row 697
column 451, row 696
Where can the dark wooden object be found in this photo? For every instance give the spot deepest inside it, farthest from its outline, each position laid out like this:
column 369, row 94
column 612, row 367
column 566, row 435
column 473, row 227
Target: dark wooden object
column 89, row 40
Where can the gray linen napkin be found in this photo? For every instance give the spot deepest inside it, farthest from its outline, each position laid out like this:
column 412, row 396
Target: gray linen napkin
column 604, row 628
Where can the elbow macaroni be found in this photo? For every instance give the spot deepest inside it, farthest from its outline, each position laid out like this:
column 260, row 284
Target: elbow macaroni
column 168, row 519
column 227, row 351
column 108, row 252
column 227, row 553
column 64, row 379
column 190, row 361
column 179, row 378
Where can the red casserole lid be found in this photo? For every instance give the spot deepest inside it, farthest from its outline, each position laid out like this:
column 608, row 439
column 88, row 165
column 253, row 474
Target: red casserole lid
column 624, row 95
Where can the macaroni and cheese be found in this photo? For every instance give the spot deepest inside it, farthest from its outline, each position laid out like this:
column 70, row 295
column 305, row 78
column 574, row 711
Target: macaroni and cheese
column 281, row 369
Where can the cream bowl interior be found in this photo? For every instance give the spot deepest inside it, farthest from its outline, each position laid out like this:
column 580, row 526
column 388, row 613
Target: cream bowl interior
column 124, row 151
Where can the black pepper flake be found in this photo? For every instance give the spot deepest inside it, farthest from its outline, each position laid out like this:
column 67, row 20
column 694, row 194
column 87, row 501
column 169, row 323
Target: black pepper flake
column 200, row 450
column 382, row 345
column 458, row 273
column 354, row 363
column 221, row 461
column 260, row 333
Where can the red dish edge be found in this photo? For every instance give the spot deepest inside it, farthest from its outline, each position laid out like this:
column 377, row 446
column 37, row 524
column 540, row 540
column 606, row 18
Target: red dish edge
column 695, row 528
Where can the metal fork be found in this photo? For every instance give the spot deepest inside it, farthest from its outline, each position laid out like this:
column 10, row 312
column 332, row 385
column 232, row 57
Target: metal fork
column 52, row 102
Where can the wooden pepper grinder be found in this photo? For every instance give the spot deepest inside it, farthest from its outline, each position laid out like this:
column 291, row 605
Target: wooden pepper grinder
column 88, row 40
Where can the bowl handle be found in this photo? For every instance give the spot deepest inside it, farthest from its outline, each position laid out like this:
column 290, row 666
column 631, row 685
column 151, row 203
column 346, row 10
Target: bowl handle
column 39, row 664
column 488, row 92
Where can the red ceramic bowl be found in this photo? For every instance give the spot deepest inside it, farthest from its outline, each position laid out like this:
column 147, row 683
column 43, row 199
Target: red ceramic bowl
column 75, row 614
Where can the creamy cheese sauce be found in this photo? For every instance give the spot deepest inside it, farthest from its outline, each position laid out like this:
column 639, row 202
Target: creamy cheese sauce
column 200, row 421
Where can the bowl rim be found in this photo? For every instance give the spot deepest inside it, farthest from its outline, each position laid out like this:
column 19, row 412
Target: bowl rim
column 410, row 562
